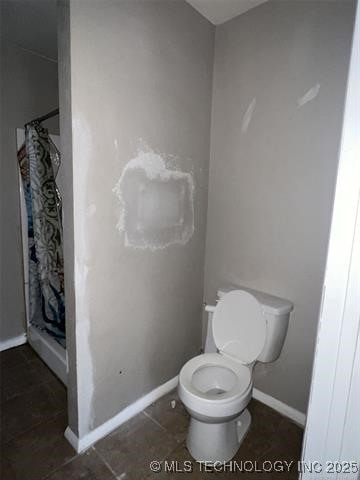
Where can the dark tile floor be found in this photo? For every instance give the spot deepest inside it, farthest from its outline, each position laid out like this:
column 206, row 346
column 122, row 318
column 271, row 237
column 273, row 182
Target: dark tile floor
column 33, row 447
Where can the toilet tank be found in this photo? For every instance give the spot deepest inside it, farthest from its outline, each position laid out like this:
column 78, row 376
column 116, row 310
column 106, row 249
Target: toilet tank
column 276, row 311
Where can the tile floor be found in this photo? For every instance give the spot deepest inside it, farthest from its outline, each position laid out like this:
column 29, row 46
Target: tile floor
column 33, row 420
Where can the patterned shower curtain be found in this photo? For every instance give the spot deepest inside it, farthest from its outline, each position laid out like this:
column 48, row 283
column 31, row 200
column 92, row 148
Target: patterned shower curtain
column 39, row 162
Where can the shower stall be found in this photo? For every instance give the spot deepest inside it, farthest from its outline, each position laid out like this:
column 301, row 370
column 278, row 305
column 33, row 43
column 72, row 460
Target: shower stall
column 40, row 180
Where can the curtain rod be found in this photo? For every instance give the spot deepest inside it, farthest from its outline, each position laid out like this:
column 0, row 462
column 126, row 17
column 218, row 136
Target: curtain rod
column 53, row 113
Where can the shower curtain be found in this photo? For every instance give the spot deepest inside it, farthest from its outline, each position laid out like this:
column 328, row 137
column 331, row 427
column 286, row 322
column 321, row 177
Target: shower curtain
column 39, row 162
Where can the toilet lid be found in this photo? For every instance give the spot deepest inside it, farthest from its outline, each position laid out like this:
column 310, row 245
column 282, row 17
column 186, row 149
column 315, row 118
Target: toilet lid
column 239, row 326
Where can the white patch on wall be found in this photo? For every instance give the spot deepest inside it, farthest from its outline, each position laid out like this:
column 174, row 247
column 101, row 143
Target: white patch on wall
column 157, row 203
column 85, row 384
column 308, row 96
column 248, row 116
column 91, row 210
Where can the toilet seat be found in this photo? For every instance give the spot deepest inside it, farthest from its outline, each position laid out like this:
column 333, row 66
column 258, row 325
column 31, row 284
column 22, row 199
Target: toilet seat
column 212, row 384
column 219, row 385
column 239, row 326
column 241, row 376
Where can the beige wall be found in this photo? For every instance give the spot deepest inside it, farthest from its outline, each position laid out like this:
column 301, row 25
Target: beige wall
column 141, row 76
column 141, row 79
column 29, row 89
column 273, row 166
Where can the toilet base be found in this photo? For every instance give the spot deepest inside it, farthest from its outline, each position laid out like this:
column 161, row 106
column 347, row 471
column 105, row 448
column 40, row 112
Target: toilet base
column 217, row 442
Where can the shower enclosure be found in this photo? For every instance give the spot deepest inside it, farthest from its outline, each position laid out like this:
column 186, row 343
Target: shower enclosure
column 41, row 225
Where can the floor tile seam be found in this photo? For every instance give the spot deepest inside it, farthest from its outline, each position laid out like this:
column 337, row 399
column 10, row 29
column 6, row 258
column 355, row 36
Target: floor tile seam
column 156, row 422
column 56, row 468
column 31, row 428
column 180, row 444
column 266, row 451
column 24, row 356
column 63, row 464
column 51, row 391
column 29, row 390
column 105, row 462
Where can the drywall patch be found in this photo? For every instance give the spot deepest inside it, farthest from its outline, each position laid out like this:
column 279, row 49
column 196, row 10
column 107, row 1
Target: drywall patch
column 82, row 148
column 248, row 116
column 308, row 96
column 156, row 202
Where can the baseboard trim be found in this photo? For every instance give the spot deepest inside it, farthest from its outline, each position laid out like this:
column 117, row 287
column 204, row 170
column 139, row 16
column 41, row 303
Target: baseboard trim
column 81, row 444
column 13, row 342
column 295, row 415
column 72, row 439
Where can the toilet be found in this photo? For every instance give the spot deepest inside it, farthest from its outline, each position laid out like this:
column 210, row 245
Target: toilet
column 215, row 387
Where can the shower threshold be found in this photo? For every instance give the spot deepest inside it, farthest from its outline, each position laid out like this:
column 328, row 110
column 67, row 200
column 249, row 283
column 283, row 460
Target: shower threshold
column 49, row 350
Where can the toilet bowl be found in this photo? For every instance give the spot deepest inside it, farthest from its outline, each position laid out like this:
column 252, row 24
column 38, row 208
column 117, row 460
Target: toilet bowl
column 215, row 388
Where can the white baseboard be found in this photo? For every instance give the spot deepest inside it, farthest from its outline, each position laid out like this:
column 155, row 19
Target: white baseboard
column 72, row 439
column 286, row 410
column 81, row 444
column 12, row 342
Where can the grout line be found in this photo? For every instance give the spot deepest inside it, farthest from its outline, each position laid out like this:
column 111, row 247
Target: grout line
column 30, row 389
column 60, row 466
column 23, row 432
column 77, row 455
column 155, row 421
column 105, row 462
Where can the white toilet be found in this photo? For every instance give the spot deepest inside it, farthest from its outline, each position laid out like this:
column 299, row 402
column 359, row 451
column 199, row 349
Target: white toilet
column 244, row 327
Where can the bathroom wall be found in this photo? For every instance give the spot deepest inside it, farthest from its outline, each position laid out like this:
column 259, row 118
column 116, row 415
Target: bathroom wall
column 29, row 89
column 141, row 79
column 279, row 84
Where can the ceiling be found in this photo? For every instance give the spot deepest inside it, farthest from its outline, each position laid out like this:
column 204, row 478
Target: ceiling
column 31, row 24
column 219, row 11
